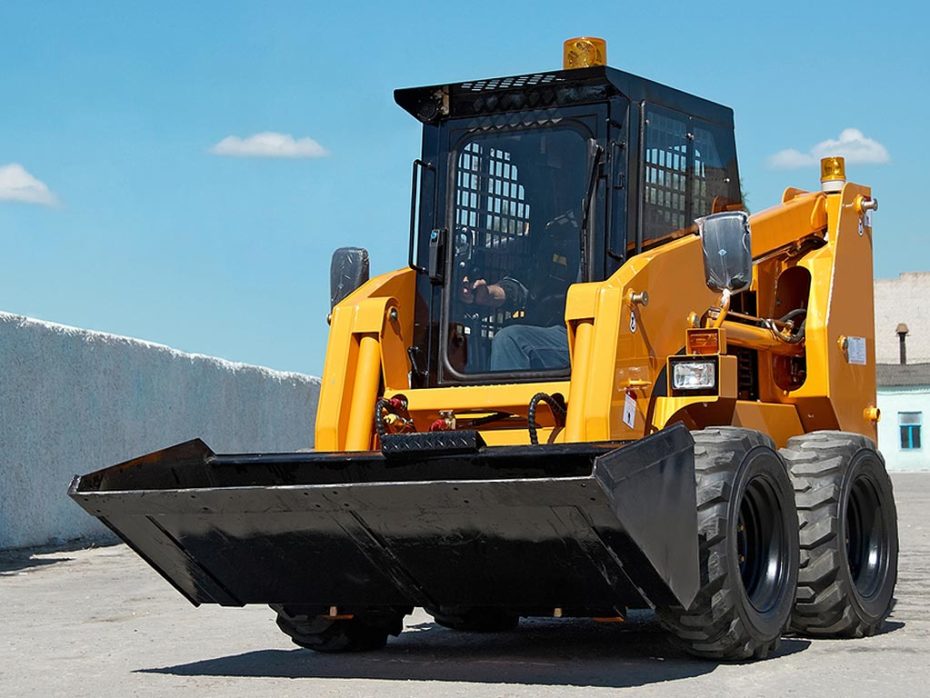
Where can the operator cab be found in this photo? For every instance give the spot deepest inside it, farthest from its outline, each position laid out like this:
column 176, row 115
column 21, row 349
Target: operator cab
column 531, row 183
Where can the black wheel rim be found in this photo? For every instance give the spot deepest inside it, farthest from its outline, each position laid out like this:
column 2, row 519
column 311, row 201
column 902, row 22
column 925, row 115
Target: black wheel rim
column 867, row 545
column 762, row 545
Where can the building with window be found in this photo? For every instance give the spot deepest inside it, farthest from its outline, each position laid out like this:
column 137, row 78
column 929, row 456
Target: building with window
column 902, row 352
column 904, row 399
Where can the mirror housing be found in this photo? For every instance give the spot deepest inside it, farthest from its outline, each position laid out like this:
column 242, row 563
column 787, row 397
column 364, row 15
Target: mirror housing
column 726, row 244
column 348, row 271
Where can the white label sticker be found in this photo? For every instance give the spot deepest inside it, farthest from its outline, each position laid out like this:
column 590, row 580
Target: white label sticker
column 629, row 411
column 855, row 350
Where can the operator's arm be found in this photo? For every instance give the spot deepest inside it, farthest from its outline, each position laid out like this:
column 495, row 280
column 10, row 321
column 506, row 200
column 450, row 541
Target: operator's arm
column 480, row 292
column 515, row 293
column 508, row 291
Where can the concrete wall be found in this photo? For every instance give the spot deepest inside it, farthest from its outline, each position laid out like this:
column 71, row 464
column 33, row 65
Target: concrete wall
column 73, row 401
column 904, row 299
column 890, row 402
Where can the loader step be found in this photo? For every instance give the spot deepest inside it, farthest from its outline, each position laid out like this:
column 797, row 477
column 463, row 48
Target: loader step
column 424, row 442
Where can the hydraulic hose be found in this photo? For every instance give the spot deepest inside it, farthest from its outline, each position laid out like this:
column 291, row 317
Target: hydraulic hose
column 556, row 405
column 795, row 338
column 395, row 407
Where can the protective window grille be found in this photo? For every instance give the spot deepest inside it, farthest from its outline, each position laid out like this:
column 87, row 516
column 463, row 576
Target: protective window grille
column 490, row 203
column 665, row 179
column 909, row 424
column 489, row 199
column 710, row 179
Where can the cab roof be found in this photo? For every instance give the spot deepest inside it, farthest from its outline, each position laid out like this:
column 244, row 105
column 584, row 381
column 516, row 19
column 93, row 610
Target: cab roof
column 549, row 90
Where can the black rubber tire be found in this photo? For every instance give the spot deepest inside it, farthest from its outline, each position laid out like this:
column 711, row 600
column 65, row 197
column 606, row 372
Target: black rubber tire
column 475, row 620
column 748, row 538
column 364, row 632
column 849, row 535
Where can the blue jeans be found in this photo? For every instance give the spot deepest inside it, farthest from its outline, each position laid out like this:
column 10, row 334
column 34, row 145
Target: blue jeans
column 526, row 347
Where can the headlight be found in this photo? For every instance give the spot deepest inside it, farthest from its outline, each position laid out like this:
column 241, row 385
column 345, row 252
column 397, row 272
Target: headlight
column 694, row 375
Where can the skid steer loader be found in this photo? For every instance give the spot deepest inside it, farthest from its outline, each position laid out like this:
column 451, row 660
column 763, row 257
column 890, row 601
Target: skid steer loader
column 598, row 385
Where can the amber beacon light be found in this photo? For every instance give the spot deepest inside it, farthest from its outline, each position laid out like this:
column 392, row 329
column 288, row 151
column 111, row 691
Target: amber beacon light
column 584, row 52
column 832, row 174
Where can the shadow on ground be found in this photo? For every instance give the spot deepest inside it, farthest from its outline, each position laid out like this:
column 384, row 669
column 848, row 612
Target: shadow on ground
column 890, row 626
column 543, row 652
column 10, row 564
column 15, row 561
column 19, row 560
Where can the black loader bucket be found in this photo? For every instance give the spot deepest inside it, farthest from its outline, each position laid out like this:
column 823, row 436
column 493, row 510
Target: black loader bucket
column 437, row 520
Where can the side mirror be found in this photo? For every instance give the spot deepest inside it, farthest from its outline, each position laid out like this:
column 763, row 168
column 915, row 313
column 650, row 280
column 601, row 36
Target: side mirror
column 726, row 243
column 348, row 271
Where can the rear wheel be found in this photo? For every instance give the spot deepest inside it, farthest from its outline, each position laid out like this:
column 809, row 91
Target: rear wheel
column 474, row 619
column 362, row 632
column 849, row 535
column 748, row 537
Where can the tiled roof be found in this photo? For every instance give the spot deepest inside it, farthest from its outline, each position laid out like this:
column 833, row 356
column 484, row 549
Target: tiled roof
column 908, row 375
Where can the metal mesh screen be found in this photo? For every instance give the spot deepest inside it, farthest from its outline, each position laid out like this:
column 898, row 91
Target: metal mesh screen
column 685, row 173
column 492, row 211
column 489, row 197
column 665, row 170
column 509, row 83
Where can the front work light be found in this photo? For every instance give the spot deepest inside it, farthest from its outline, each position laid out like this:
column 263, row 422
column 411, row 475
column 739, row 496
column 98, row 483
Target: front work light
column 694, row 375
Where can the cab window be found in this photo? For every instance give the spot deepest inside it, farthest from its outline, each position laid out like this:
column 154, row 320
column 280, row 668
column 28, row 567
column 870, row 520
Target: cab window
column 516, row 245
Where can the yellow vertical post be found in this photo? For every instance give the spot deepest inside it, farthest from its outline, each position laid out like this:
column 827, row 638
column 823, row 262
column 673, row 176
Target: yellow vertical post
column 574, row 420
column 364, row 394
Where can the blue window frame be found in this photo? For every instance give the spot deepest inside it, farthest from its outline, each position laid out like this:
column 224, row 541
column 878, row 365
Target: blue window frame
column 909, row 424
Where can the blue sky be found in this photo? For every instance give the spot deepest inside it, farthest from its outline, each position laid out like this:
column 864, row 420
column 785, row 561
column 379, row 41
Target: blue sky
column 110, row 111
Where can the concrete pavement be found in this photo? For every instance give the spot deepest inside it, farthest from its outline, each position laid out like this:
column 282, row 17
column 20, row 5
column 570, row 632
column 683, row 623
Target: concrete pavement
column 100, row 622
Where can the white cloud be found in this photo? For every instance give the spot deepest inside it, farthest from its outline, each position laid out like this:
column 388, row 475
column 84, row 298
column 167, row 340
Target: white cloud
column 790, row 159
column 852, row 145
column 269, row 145
column 16, row 184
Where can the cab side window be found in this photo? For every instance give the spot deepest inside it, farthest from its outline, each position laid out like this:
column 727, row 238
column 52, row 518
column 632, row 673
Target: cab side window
column 665, row 173
column 714, row 183
column 688, row 171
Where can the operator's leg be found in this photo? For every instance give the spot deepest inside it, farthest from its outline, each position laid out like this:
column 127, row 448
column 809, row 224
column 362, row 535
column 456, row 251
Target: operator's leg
column 525, row 347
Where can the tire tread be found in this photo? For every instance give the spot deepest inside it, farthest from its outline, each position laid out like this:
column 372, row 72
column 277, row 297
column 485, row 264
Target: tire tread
column 712, row 628
column 817, row 463
column 360, row 634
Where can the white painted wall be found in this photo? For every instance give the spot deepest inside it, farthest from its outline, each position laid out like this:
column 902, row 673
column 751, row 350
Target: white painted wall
column 890, row 402
column 73, row 401
column 904, row 299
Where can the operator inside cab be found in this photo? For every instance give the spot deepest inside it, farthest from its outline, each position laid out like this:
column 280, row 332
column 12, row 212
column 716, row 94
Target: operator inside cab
column 517, row 248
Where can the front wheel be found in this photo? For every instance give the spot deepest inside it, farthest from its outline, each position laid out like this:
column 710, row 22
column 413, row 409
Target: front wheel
column 849, row 535
column 748, row 537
